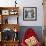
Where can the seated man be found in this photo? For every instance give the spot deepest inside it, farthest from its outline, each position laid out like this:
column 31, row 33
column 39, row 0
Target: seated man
column 30, row 38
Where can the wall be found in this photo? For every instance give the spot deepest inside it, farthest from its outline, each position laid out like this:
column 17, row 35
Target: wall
column 29, row 3
column 26, row 3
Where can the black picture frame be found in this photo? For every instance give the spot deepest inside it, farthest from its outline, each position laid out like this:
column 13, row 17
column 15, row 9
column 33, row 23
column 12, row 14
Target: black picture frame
column 32, row 11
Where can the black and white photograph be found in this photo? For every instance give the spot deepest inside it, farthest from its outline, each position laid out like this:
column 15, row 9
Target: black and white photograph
column 30, row 13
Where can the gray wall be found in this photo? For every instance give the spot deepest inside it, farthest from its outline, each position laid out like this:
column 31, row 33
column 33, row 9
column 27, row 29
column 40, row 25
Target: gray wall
column 37, row 29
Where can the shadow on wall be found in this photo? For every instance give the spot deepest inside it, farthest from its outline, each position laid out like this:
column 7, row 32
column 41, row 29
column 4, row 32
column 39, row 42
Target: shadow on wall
column 37, row 29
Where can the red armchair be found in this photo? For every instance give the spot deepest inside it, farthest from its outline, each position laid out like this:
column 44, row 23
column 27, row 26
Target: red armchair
column 29, row 36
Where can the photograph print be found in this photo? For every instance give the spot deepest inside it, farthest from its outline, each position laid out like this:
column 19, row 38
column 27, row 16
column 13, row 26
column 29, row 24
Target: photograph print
column 29, row 13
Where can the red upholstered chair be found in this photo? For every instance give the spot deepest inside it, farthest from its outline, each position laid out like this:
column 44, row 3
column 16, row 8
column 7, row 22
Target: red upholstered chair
column 28, row 34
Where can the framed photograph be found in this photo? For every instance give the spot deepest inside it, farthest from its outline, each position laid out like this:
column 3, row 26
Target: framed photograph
column 5, row 12
column 30, row 13
column 13, row 12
